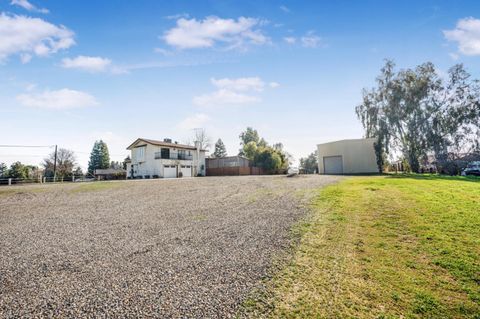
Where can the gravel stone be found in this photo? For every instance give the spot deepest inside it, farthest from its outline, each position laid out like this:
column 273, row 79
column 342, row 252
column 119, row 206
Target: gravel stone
column 183, row 248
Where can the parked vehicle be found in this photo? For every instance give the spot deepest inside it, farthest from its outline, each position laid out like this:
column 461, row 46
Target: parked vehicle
column 473, row 168
column 292, row 171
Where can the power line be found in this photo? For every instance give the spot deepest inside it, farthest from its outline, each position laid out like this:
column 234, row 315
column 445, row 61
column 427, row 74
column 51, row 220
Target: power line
column 43, row 146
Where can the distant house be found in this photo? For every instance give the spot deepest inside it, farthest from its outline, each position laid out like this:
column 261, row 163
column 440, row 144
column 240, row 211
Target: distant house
column 167, row 159
column 230, row 166
column 356, row 156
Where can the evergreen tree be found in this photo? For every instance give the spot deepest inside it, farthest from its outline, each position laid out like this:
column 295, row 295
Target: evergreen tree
column 99, row 157
column 220, row 150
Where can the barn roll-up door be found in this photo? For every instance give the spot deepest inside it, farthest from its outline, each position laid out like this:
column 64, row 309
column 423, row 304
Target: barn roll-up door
column 333, row 165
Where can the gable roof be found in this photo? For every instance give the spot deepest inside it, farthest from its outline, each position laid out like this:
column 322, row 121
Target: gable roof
column 162, row 143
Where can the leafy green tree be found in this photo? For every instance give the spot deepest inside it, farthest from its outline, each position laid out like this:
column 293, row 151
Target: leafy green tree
column 18, row 170
column 99, row 157
column 250, row 149
column 250, row 135
column 256, row 149
column 263, row 143
column 220, row 150
column 309, row 164
column 3, row 170
column 268, row 158
column 417, row 112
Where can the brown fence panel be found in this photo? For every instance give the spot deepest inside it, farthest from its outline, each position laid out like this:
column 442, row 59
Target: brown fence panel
column 235, row 171
column 244, row 171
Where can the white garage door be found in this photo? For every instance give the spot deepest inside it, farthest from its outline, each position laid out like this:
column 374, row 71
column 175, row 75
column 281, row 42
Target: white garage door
column 169, row 171
column 186, row 170
column 333, row 165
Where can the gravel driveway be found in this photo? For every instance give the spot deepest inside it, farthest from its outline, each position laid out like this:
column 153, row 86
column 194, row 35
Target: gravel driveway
column 157, row 248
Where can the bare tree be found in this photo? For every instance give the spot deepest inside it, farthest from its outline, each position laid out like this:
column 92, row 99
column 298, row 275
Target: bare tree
column 201, row 136
column 65, row 163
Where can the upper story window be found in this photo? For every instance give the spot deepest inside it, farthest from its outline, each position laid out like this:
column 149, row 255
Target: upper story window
column 165, row 153
column 140, row 154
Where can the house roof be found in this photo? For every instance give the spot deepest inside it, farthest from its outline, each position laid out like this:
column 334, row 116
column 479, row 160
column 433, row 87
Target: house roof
column 109, row 171
column 162, row 143
column 227, row 157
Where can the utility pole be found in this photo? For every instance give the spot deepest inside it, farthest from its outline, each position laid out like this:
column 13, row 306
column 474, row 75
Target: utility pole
column 55, row 165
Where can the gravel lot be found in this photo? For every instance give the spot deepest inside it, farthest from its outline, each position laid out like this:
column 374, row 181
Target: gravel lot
column 157, row 248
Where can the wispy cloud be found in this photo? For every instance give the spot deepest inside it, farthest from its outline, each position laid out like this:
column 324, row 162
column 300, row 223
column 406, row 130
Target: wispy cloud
column 163, row 51
column 467, row 35
column 311, row 40
column 285, row 9
column 31, row 37
column 57, row 99
column 92, row 64
column 191, row 34
column 194, row 121
column 28, row 6
column 233, row 91
column 177, row 16
column 290, row 40
column 224, row 97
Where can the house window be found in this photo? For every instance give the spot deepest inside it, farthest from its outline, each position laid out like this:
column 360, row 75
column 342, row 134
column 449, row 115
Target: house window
column 165, row 153
column 141, row 154
column 181, row 154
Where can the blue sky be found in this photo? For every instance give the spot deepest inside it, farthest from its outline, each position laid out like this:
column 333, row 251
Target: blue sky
column 72, row 72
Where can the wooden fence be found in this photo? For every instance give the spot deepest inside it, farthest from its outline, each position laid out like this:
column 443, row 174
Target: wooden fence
column 235, row 171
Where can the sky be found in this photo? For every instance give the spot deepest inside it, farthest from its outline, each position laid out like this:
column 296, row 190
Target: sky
column 72, row 72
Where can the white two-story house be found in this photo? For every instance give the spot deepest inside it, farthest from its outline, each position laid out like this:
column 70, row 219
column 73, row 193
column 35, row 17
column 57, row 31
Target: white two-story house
column 154, row 159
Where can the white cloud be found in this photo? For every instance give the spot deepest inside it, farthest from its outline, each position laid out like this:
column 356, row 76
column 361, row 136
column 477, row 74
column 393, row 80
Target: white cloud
column 223, row 97
column 57, row 100
column 467, row 36
column 194, row 121
column 25, row 58
column 87, row 63
column 240, row 84
column 177, row 16
column 310, row 40
column 290, row 40
column 454, row 56
column 285, row 9
column 164, row 52
column 32, row 36
column 233, row 91
column 28, row 6
column 189, row 34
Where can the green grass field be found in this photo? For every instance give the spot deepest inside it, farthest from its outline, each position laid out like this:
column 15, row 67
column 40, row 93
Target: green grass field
column 383, row 247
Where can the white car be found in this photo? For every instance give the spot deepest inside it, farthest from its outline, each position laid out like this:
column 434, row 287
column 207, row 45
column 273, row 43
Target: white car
column 292, row 171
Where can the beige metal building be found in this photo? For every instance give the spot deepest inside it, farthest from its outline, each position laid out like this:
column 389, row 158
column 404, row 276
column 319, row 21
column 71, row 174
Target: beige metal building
column 355, row 156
